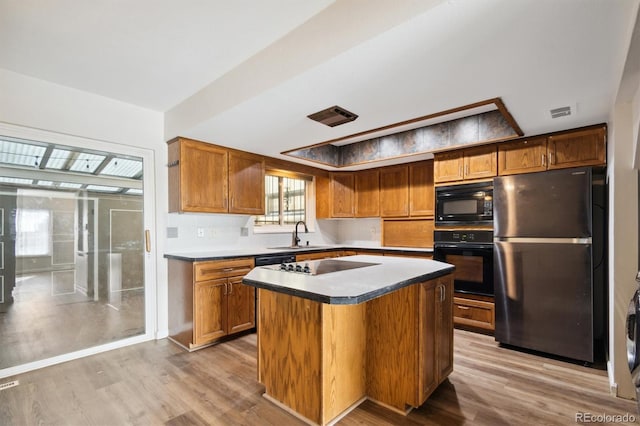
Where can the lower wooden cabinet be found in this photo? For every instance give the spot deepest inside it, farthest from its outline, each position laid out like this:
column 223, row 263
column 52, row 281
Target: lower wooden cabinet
column 207, row 301
column 474, row 311
column 408, row 377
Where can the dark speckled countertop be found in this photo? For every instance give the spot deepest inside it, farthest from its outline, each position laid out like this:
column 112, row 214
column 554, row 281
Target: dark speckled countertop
column 203, row 255
column 353, row 286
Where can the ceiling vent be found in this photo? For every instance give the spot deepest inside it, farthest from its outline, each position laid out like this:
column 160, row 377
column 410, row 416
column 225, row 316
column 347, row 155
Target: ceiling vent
column 560, row 112
column 333, row 116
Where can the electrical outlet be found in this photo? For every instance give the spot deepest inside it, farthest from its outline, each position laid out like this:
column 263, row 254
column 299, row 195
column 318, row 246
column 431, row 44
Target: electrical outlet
column 200, row 232
column 244, row 231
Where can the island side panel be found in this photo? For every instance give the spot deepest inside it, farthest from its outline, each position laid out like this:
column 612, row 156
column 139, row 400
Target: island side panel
column 344, row 357
column 392, row 348
column 180, row 289
column 290, row 351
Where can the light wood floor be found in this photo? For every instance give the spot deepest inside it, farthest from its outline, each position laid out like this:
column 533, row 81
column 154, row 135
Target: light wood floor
column 157, row 383
column 49, row 319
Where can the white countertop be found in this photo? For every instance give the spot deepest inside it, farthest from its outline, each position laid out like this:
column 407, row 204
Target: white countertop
column 351, row 286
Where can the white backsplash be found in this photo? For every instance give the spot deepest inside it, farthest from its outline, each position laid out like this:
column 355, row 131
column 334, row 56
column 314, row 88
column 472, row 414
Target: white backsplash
column 222, row 231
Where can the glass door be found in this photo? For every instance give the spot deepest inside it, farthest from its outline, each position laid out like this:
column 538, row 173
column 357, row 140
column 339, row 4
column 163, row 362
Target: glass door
column 74, row 266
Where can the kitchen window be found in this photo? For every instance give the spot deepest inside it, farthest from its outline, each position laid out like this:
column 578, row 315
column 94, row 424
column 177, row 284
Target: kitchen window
column 286, row 201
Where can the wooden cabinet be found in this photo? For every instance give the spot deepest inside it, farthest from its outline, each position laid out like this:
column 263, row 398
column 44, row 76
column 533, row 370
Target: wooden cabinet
column 207, row 300
column 478, row 162
column 203, row 178
column 578, row 148
column 410, row 232
column 585, row 147
column 421, row 192
column 437, row 326
column 192, row 163
column 342, row 195
column 477, row 312
column 399, row 376
column 367, row 193
column 394, row 191
column 246, row 183
column 529, row 155
column 318, row 255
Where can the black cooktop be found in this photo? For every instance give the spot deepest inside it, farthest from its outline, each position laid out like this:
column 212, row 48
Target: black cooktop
column 319, row 267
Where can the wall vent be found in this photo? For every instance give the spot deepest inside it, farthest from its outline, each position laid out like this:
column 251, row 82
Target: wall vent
column 333, row 116
column 560, row 112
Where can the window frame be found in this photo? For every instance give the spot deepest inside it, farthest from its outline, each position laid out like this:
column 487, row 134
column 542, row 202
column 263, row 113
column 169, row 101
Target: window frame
column 310, row 205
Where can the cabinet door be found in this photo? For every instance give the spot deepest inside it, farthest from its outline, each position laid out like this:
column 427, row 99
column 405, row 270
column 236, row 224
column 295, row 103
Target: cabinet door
column 447, row 166
column 323, row 197
column 522, row 156
column 394, row 191
column 367, row 193
column 581, row 148
column 421, row 194
column 342, row 185
column 242, row 306
column 203, row 177
column 428, row 332
column 246, row 183
column 480, row 162
column 210, row 304
column 444, row 340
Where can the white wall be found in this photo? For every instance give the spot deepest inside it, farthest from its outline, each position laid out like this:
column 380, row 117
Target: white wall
column 623, row 241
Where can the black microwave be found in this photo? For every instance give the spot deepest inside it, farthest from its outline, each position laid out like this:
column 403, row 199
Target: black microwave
column 466, row 204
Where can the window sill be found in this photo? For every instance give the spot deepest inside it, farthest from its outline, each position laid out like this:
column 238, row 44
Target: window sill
column 278, row 229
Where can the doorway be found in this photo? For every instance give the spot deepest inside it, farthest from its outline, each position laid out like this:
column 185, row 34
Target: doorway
column 74, row 263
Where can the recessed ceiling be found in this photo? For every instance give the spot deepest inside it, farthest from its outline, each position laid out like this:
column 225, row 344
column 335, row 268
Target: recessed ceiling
column 245, row 74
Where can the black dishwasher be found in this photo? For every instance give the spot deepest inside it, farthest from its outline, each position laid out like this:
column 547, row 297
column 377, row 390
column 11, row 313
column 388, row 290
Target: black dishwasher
column 274, row 259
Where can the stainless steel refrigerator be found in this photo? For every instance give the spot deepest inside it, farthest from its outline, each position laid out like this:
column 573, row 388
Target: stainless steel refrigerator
column 549, row 262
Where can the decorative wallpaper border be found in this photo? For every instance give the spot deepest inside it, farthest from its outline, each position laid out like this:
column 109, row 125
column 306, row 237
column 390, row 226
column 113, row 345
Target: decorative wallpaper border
column 485, row 127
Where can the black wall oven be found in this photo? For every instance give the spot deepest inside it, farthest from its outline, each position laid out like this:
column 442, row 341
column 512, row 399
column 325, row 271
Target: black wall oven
column 471, row 252
column 467, row 204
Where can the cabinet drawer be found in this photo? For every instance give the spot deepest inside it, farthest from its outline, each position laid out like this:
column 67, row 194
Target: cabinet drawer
column 209, row 270
column 474, row 313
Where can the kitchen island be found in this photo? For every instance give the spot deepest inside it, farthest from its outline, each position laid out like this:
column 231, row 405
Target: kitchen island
column 350, row 329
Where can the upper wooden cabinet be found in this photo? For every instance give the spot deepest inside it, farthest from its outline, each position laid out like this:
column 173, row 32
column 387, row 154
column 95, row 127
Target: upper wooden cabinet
column 559, row 151
column 204, row 178
column 367, row 193
column 579, row 148
column 394, row 191
column 529, row 155
column 470, row 163
column 342, row 198
column 421, row 193
column 246, row 177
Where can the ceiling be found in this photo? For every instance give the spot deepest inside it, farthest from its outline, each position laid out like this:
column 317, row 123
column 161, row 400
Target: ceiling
column 246, row 73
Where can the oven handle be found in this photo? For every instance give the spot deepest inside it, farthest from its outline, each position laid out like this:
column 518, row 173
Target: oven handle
column 463, row 246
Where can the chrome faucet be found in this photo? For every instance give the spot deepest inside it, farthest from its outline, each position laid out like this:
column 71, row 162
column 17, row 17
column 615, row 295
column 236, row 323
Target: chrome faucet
column 295, row 242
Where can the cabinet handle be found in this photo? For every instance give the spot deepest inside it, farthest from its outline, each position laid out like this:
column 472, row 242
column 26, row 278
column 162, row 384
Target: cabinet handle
column 225, row 289
column 464, row 308
column 227, row 269
column 552, row 159
column 544, row 160
column 230, row 289
column 466, row 170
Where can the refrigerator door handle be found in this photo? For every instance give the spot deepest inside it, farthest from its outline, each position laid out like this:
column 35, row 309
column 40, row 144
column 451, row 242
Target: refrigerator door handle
column 531, row 240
